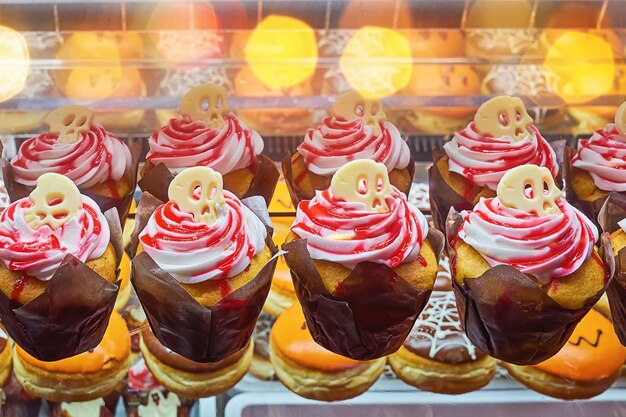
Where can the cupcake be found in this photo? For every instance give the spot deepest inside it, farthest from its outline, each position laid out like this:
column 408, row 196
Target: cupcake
column 85, row 377
column 437, row 356
column 587, row 365
column 598, row 167
column 145, row 397
column 211, row 137
column 525, row 267
column 208, row 257
column 363, row 262
column 190, row 379
column 358, row 129
column 311, row 371
column 76, row 146
column 501, row 136
column 59, row 263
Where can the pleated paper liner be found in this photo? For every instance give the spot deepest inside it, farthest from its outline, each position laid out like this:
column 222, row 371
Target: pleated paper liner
column 179, row 322
column 371, row 313
column 507, row 316
column 297, row 194
column 613, row 211
column 72, row 314
column 121, row 204
column 156, row 180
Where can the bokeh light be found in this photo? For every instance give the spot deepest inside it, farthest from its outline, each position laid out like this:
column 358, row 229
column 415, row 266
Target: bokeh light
column 584, row 65
column 186, row 31
column 377, row 62
column 14, row 62
column 282, row 51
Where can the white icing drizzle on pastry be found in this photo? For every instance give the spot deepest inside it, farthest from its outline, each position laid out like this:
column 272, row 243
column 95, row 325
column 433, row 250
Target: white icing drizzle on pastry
column 159, row 405
column 83, row 409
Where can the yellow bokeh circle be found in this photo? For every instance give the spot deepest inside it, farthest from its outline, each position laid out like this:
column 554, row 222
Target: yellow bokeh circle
column 377, row 61
column 14, row 63
column 282, row 52
column 584, row 65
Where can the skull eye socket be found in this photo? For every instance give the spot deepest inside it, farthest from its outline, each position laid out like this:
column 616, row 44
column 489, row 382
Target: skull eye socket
column 529, row 190
column 69, row 119
column 218, row 104
column 197, row 191
column 54, row 201
column 204, row 104
column 503, row 119
column 518, row 114
column 361, row 186
column 379, row 183
column 359, row 110
column 374, row 110
column 82, row 120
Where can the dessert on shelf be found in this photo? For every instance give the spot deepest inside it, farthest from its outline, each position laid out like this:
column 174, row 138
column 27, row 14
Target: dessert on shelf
column 311, row 371
column 363, row 262
column 528, row 246
column 357, row 129
column 502, row 136
column 587, row 365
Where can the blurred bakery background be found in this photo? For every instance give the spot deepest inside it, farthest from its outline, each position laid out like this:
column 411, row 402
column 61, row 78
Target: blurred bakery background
column 431, row 62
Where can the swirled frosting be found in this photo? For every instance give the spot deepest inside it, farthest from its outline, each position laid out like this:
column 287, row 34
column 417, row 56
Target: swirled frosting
column 183, row 143
column 547, row 247
column 96, row 157
column 336, row 142
column 483, row 160
column 347, row 233
column 603, row 155
column 194, row 252
column 39, row 252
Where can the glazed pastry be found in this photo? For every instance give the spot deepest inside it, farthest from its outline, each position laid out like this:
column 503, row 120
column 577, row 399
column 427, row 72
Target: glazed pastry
column 588, row 364
column 145, row 397
column 214, row 137
column 599, row 165
column 434, row 81
column 358, row 129
column 191, row 379
column 501, row 136
column 274, row 121
column 202, row 247
column 35, row 237
column 350, row 240
column 6, row 364
column 311, row 371
column 540, row 251
column 88, row 376
column 437, row 356
column 79, row 148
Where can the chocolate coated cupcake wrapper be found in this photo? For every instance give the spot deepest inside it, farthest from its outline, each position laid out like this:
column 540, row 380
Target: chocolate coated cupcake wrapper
column 506, row 315
column 613, row 211
column 590, row 208
column 157, row 180
column 369, row 315
column 199, row 333
column 297, row 194
column 122, row 204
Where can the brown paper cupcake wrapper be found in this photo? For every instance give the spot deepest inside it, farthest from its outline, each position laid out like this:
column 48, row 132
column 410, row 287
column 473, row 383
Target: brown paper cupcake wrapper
column 180, row 323
column 613, row 211
column 72, row 314
column 297, row 194
column 443, row 197
column 370, row 314
column 157, row 180
column 506, row 315
column 122, row 204
column 590, row 208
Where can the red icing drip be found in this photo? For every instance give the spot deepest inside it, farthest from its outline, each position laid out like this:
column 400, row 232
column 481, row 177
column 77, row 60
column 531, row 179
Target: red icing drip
column 18, row 287
column 422, row 261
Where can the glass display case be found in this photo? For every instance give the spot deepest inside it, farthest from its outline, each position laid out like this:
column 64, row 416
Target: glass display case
column 283, row 64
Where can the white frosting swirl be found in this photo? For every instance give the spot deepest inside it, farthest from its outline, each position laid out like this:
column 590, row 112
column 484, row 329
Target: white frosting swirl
column 547, row 247
column 336, row 142
column 622, row 224
column 39, row 252
column 195, row 252
column 185, row 143
column 604, row 157
column 348, row 233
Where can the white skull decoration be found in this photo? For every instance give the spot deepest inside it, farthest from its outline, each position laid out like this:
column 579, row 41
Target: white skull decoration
column 352, row 105
column 69, row 122
column 198, row 191
column 55, row 201
column 363, row 181
column 531, row 189
column 206, row 102
column 620, row 121
column 503, row 116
